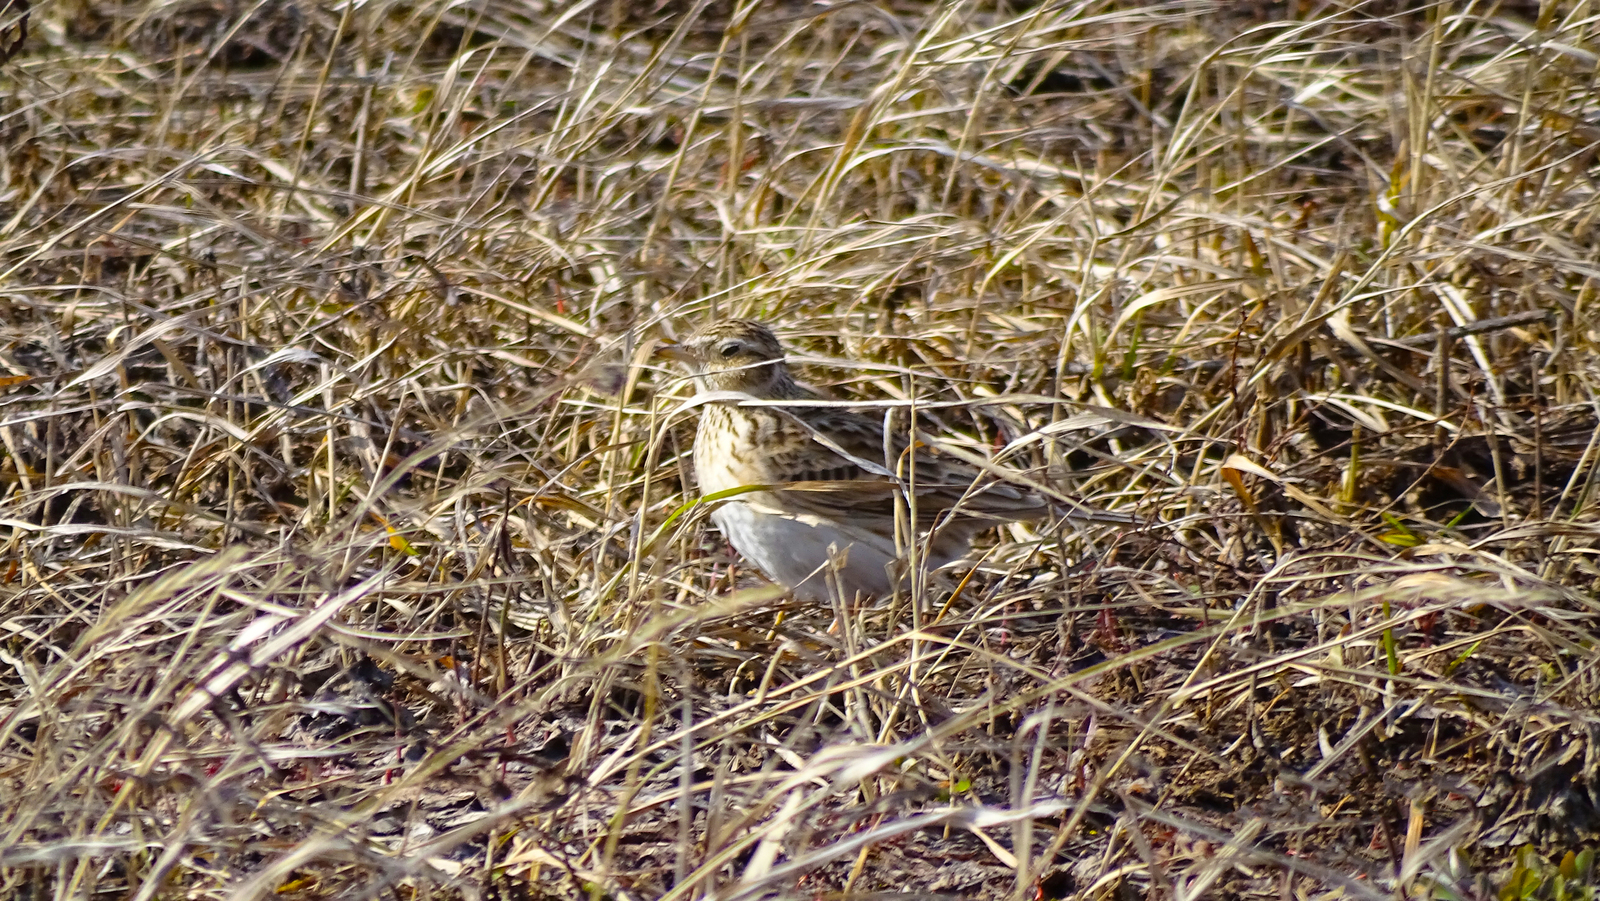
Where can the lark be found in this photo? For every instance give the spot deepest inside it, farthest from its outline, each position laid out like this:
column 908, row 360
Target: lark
column 807, row 493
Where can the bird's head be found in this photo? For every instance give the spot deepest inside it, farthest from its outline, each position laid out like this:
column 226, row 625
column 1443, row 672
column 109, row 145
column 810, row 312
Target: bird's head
column 735, row 355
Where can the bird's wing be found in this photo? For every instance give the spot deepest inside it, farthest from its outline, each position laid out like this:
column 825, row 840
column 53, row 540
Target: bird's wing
column 836, row 463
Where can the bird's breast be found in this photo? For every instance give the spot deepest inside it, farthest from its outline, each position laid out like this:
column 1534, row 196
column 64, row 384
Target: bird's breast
column 729, row 449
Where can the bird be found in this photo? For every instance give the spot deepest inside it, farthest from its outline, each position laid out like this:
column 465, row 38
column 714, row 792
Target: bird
column 807, row 493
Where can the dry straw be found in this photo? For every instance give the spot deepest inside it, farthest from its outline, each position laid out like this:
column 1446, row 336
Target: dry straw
column 349, row 538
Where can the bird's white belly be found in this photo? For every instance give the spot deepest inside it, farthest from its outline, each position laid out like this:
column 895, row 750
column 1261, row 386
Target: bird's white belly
column 803, row 553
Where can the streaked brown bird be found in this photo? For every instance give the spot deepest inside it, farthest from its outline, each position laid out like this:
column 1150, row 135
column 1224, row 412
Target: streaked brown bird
column 819, row 483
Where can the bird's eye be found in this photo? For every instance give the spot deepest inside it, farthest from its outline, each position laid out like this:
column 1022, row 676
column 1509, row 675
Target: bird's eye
column 730, row 349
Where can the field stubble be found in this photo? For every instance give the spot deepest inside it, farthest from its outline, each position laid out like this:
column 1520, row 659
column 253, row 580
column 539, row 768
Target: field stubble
column 349, row 546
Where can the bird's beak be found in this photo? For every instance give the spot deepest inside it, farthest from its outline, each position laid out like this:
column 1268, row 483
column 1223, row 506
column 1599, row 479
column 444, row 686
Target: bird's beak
column 675, row 352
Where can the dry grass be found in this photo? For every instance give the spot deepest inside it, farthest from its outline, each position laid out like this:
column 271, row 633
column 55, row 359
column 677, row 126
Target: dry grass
column 339, row 483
